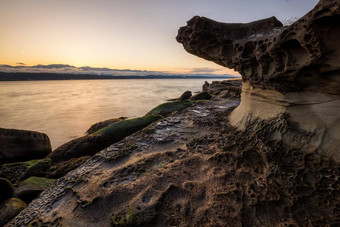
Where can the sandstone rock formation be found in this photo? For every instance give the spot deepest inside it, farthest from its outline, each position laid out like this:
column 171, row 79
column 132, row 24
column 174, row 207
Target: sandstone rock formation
column 19, row 145
column 214, row 164
column 293, row 70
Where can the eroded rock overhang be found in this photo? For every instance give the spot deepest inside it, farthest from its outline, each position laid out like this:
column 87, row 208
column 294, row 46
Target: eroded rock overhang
column 293, row 70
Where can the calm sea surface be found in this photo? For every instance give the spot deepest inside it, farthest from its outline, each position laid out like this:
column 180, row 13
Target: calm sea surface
column 65, row 109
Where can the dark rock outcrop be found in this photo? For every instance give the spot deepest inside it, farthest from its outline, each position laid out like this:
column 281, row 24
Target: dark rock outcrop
column 201, row 96
column 293, row 70
column 185, row 96
column 19, row 145
column 224, row 89
column 6, row 189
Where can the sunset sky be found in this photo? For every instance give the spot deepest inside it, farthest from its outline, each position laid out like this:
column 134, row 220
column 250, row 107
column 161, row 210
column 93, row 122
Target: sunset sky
column 121, row 34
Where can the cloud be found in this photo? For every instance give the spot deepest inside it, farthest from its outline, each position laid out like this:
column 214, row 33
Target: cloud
column 69, row 69
column 204, row 70
column 20, row 63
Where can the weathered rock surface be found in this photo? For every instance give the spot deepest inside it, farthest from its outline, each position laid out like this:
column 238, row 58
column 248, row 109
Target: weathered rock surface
column 263, row 163
column 132, row 176
column 60, row 169
column 19, row 145
column 195, row 169
column 293, row 70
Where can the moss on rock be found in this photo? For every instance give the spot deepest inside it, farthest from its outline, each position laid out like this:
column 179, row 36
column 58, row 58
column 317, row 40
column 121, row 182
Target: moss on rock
column 122, row 220
column 30, row 188
column 97, row 126
column 101, row 139
column 22, row 170
column 127, row 127
column 169, row 107
column 10, row 208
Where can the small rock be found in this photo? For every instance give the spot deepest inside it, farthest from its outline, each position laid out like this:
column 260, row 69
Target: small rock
column 6, row 189
column 10, row 208
column 185, row 96
column 201, row 96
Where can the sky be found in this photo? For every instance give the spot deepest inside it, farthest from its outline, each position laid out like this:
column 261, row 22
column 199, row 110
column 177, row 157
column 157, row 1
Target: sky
column 122, row 34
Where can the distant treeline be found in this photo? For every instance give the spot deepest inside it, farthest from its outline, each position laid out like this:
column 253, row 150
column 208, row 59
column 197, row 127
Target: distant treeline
column 60, row 76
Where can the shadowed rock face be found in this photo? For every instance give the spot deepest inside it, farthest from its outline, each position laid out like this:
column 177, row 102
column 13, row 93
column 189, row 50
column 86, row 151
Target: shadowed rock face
column 293, row 70
column 21, row 145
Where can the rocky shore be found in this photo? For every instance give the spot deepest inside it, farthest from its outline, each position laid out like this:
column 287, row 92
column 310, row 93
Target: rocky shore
column 261, row 152
column 29, row 166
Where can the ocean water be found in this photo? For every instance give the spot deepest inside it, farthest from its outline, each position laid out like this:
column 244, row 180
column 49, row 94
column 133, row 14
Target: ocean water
column 65, row 109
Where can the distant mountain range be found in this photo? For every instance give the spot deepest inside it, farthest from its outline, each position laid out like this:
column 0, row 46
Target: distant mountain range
column 66, row 72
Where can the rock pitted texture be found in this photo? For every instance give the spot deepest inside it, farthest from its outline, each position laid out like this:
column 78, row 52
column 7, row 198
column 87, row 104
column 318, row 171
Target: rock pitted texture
column 260, row 164
column 302, row 56
column 19, row 145
column 195, row 169
column 293, row 70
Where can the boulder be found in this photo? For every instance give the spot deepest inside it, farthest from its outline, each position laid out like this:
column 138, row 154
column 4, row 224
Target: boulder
column 95, row 142
column 10, row 208
column 20, row 145
column 30, row 188
column 169, row 107
column 18, row 171
column 6, row 189
column 185, row 96
column 201, row 96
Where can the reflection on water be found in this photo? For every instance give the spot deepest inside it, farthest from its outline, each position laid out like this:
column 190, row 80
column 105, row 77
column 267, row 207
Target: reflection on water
column 66, row 109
